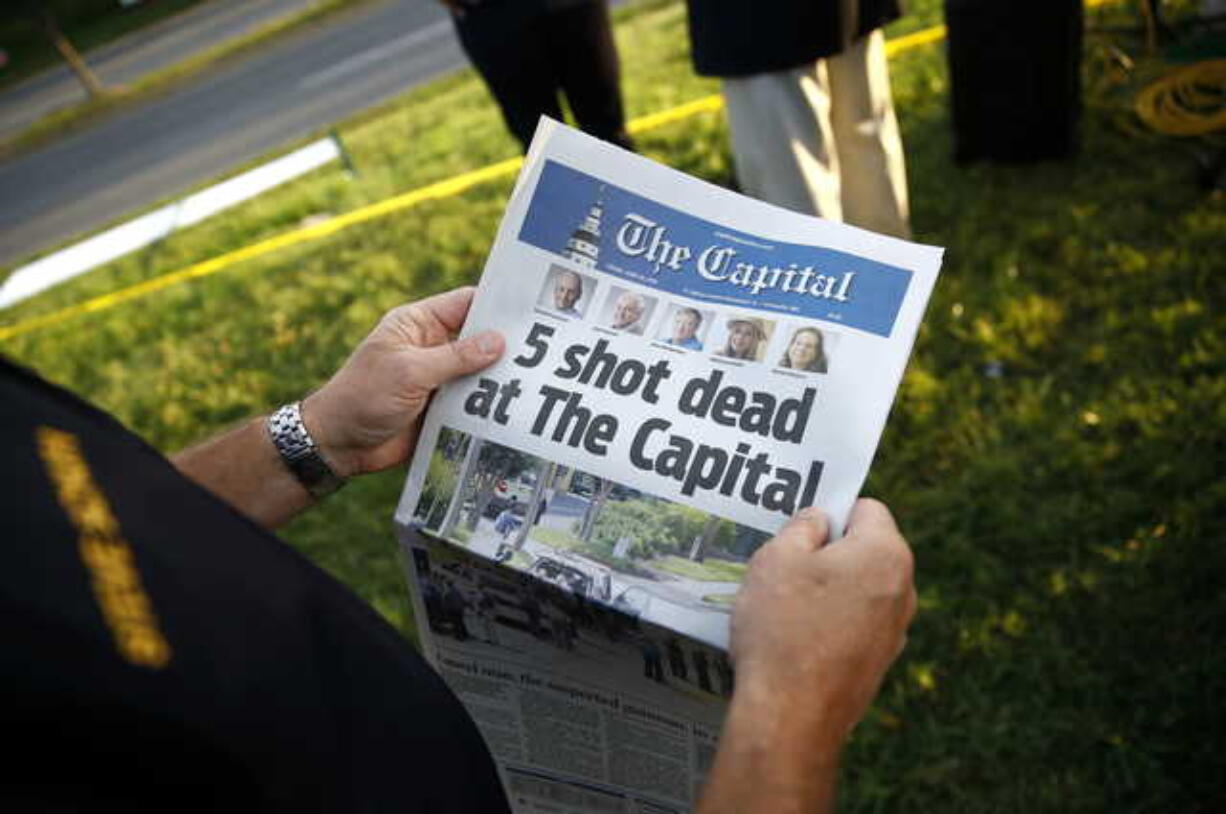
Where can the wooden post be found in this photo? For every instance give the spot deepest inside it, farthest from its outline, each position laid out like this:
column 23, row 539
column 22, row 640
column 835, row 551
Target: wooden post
column 46, row 20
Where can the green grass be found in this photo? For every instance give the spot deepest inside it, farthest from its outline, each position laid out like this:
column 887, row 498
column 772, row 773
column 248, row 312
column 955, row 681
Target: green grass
column 709, row 570
column 555, row 538
column 1054, row 453
column 566, row 541
column 411, row 142
column 712, row 570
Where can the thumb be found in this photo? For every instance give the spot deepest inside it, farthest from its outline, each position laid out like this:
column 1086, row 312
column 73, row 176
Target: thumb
column 808, row 530
column 871, row 518
column 440, row 364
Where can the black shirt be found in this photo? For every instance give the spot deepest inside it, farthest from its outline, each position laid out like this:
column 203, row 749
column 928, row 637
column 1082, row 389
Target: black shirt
column 731, row 38
column 159, row 649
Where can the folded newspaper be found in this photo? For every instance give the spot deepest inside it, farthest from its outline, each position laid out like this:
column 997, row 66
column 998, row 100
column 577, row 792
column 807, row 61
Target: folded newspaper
column 685, row 368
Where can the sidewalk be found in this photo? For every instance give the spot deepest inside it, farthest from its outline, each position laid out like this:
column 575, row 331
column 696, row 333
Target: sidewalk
column 142, row 52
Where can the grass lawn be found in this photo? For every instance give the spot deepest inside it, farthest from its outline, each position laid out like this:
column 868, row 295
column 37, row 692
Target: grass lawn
column 554, row 538
column 709, row 570
column 1054, row 454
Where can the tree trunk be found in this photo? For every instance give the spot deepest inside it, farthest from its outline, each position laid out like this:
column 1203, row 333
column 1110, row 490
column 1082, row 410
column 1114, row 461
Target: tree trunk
column 46, row 19
column 699, row 551
column 486, row 484
column 604, row 488
column 457, row 497
column 544, row 477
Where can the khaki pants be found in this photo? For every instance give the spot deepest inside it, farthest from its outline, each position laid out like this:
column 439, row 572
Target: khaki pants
column 823, row 139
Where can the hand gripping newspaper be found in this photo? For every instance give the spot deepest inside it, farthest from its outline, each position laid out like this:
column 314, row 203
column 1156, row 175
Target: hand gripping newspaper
column 685, row 369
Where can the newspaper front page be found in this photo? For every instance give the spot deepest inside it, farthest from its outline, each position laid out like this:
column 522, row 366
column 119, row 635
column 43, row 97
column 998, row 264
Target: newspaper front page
column 685, row 369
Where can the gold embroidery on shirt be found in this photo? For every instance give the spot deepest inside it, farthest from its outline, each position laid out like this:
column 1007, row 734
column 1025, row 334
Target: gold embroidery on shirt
column 107, row 555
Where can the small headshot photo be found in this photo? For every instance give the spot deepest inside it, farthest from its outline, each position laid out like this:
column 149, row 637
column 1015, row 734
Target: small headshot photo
column 566, row 292
column 746, row 338
column 627, row 310
column 685, row 327
column 805, row 350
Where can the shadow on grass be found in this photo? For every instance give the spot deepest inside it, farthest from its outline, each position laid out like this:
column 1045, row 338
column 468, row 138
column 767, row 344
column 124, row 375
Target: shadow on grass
column 1055, row 457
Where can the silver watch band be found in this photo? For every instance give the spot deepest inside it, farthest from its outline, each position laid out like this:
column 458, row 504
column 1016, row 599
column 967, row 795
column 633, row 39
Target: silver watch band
column 299, row 452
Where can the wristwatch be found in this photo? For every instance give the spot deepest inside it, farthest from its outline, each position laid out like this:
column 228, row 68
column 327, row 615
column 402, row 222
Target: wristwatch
column 300, row 453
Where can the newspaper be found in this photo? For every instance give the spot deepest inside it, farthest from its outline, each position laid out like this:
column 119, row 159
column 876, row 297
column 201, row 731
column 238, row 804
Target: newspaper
column 585, row 709
column 685, row 369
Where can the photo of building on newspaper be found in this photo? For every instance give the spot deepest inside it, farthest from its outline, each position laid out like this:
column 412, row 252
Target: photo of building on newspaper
column 650, row 558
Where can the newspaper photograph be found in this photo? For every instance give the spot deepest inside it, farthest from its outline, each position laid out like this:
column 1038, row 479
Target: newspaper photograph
column 685, row 368
column 583, row 708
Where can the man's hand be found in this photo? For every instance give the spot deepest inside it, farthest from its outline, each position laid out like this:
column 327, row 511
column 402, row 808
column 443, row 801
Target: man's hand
column 366, row 417
column 823, row 622
column 814, row 629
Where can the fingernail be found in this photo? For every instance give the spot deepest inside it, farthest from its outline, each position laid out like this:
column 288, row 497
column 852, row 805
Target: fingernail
column 487, row 342
column 811, row 513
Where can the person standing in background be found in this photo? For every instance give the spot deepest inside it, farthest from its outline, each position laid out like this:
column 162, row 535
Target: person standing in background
column 807, row 90
column 653, row 665
column 529, row 51
column 702, row 670
column 676, row 659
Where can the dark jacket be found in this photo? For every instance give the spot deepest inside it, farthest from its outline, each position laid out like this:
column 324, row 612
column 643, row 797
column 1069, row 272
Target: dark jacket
column 744, row 37
column 163, row 652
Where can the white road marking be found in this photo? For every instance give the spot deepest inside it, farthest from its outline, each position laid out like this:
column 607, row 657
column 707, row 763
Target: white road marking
column 364, row 60
column 80, row 257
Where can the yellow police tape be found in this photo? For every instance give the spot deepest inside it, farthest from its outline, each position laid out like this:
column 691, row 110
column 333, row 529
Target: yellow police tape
column 442, row 189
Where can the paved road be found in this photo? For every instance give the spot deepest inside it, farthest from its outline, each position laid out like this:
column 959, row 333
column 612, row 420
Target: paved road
column 298, row 85
column 131, row 57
